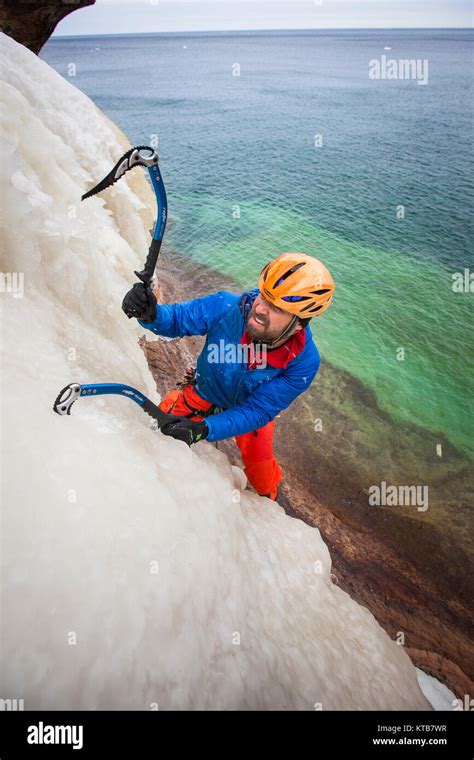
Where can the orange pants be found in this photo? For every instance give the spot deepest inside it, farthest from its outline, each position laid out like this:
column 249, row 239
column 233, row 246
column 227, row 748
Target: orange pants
column 256, row 448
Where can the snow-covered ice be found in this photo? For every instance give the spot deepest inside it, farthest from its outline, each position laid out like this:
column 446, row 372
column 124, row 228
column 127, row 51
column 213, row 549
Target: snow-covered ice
column 438, row 695
column 136, row 572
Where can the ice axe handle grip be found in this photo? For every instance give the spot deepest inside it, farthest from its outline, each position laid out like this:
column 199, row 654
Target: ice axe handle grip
column 158, row 414
column 146, row 275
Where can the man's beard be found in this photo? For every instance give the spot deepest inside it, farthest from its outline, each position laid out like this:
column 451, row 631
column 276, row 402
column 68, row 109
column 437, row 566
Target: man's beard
column 260, row 333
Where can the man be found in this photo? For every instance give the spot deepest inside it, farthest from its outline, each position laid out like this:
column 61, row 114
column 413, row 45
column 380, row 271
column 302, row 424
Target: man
column 237, row 392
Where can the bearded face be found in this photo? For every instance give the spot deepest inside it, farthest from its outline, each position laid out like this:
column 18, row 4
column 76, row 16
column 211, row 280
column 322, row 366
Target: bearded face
column 266, row 321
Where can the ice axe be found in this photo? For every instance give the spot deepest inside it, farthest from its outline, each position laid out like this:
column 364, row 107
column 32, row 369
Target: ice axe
column 70, row 393
column 145, row 156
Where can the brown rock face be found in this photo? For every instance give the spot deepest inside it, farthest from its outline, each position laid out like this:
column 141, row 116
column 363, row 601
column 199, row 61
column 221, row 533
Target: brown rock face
column 32, row 22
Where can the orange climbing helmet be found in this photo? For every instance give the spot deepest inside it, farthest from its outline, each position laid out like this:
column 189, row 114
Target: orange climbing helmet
column 297, row 283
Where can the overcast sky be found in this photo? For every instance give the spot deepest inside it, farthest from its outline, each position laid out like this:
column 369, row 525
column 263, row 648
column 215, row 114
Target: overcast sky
column 132, row 16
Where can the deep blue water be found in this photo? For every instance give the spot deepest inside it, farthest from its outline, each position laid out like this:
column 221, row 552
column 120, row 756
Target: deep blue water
column 252, row 137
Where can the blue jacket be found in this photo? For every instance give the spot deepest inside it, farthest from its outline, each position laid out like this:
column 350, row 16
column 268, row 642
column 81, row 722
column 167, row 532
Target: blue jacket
column 248, row 398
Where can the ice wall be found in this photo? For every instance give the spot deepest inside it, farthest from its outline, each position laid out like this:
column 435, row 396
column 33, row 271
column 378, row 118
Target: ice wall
column 136, row 572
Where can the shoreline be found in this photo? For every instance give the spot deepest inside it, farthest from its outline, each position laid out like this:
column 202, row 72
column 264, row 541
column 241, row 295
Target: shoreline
column 402, row 568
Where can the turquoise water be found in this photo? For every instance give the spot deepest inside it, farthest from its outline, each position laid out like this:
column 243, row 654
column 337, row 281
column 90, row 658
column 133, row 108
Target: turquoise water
column 245, row 182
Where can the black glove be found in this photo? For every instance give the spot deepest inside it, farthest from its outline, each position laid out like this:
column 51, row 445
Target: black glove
column 140, row 302
column 184, row 429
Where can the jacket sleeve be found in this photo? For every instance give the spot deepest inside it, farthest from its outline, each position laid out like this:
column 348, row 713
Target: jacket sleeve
column 194, row 317
column 265, row 402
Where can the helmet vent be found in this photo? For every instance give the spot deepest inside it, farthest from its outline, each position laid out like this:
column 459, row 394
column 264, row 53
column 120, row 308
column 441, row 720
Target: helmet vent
column 308, row 306
column 294, row 298
column 290, row 271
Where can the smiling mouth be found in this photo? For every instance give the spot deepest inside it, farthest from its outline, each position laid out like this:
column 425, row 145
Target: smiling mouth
column 258, row 321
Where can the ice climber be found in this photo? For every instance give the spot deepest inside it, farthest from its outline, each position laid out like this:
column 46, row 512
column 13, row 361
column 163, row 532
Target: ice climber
column 259, row 356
